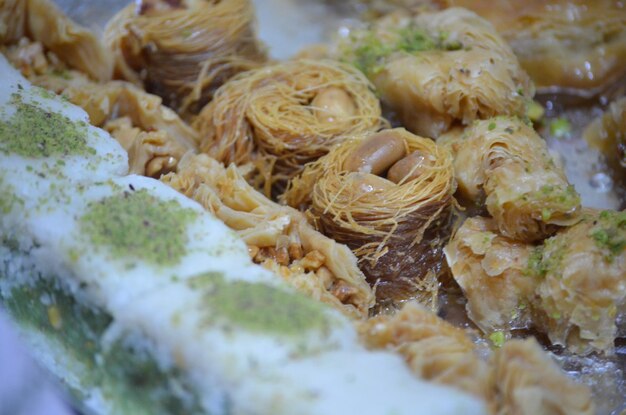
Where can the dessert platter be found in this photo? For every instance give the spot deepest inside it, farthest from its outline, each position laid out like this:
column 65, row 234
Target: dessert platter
column 292, row 207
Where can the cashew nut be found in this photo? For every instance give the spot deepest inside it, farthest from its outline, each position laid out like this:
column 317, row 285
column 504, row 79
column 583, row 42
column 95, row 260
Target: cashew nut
column 366, row 183
column 333, row 104
column 377, row 153
column 412, row 166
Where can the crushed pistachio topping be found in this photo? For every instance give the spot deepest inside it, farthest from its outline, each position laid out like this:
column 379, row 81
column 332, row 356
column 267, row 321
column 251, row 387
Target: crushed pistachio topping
column 61, row 73
column 609, row 233
column 535, row 266
column 44, row 93
column 128, row 376
column 369, row 51
column 259, row 307
column 534, row 111
column 135, row 224
column 560, row 127
column 547, row 258
column 34, row 132
column 561, row 199
column 8, row 200
column 497, row 338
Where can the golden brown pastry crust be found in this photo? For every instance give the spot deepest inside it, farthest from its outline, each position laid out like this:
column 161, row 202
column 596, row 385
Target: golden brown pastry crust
column 440, row 68
column 183, row 51
column 278, row 237
column 397, row 232
column 504, row 161
column 269, row 117
column 41, row 21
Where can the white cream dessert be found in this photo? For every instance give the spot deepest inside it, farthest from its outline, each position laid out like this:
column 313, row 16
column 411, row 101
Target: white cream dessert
column 141, row 302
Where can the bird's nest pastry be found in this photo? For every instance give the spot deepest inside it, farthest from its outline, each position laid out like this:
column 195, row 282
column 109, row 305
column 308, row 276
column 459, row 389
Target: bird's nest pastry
column 184, row 50
column 397, row 224
column 283, row 116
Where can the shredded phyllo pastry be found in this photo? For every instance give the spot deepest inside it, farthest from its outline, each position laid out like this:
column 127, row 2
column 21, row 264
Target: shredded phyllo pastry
column 285, row 115
column 439, row 68
column 278, row 237
column 503, row 163
column 396, row 225
column 529, row 382
column 434, row 349
column 183, row 50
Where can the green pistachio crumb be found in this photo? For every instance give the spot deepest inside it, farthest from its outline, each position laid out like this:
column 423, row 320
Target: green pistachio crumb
column 535, row 111
column 497, row 338
column 609, row 233
column 35, row 132
column 61, row 73
column 560, row 127
column 562, row 199
column 368, row 52
column 547, row 259
column 138, row 225
column 9, row 200
column 259, row 307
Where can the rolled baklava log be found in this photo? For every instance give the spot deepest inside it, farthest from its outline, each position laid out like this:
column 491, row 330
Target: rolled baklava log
column 504, row 164
column 39, row 39
column 582, row 294
column 517, row 377
column 388, row 196
column 572, row 287
column 528, row 381
column 492, row 272
column 183, row 50
column 562, row 45
column 439, row 68
column 152, row 134
column 285, row 115
column 278, row 237
column 433, row 348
